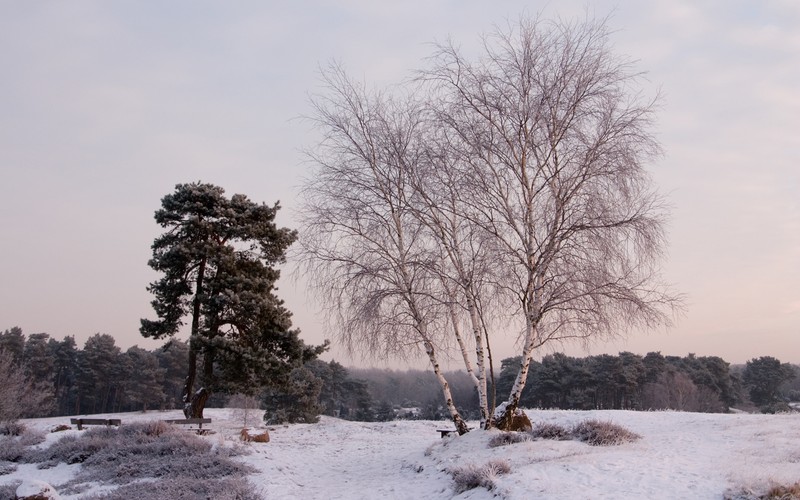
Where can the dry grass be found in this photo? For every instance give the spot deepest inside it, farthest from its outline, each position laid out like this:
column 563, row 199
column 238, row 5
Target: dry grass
column 473, row 476
column 545, row 430
column 9, row 490
column 145, row 460
column 507, row 438
column 781, row 492
column 776, row 492
column 598, row 433
column 592, row 432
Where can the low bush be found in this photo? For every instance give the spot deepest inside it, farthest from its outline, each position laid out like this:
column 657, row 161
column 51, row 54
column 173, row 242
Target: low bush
column 7, row 468
column 9, row 490
column 507, row 438
column 31, row 437
column 472, row 476
column 597, row 433
column 236, row 488
column 544, row 430
column 12, row 428
column 136, row 453
column 776, row 407
column 776, row 492
column 11, row 450
column 791, row 492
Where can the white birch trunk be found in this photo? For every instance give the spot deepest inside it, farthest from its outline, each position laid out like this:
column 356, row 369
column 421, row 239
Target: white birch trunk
column 461, row 425
column 480, row 355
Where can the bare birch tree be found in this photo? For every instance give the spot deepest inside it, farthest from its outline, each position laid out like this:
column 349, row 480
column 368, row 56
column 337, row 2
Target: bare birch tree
column 553, row 136
column 466, row 263
column 364, row 250
column 518, row 176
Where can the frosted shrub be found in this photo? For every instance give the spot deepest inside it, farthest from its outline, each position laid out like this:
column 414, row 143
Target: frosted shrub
column 544, row 430
column 184, row 489
column 11, row 428
column 791, row 492
column 776, row 492
column 69, row 449
column 597, row 433
column 11, row 450
column 247, row 409
column 31, row 437
column 7, row 468
column 472, row 476
column 9, row 490
column 507, row 438
column 139, row 451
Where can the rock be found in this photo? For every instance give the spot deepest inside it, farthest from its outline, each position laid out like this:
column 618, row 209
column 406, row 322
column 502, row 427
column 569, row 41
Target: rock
column 520, row 422
column 30, row 489
column 262, row 437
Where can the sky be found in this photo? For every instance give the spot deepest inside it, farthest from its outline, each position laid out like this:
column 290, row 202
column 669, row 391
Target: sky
column 106, row 105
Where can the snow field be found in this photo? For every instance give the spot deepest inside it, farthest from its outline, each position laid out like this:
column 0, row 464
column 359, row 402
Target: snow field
column 679, row 455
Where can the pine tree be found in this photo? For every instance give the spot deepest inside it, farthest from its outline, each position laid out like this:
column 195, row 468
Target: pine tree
column 143, row 388
column 99, row 374
column 39, row 362
column 13, row 342
column 297, row 401
column 172, row 358
column 65, row 369
column 763, row 376
column 218, row 258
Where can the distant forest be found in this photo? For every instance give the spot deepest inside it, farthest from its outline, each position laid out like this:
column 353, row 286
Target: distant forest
column 102, row 378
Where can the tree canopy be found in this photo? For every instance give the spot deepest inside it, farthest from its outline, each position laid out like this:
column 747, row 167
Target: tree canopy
column 510, row 184
column 218, row 259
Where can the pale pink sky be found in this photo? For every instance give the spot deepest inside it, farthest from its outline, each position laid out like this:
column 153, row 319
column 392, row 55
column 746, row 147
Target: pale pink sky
column 106, row 105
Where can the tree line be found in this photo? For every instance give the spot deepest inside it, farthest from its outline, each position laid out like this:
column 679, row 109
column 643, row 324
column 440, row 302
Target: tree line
column 653, row 382
column 102, row 378
column 98, row 378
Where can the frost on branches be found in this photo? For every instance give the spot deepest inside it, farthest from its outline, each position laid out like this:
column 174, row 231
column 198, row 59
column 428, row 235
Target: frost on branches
column 505, row 188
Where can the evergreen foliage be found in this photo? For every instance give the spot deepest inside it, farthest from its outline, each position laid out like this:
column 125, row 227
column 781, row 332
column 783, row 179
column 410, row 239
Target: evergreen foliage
column 342, row 395
column 100, row 378
column 12, row 341
column 763, row 376
column 625, row 381
column 217, row 258
column 100, row 374
column 295, row 402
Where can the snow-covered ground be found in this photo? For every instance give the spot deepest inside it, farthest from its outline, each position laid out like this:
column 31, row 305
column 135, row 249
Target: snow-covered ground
column 679, row 455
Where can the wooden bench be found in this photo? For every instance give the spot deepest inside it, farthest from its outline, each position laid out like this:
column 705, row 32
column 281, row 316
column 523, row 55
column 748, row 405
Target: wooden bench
column 80, row 422
column 191, row 421
column 447, row 432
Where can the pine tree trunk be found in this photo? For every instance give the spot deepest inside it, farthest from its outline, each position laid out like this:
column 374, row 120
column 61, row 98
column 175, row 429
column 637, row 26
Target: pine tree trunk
column 188, row 387
column 199, row 398
column 189, row 383
column 197, row 403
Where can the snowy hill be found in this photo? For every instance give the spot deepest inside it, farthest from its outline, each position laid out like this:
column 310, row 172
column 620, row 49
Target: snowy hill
column 679, row 455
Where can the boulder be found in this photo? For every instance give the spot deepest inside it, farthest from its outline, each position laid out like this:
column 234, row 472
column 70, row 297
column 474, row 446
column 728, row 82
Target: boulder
column 260, row 437
column 520, row 422
column 30, row 489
